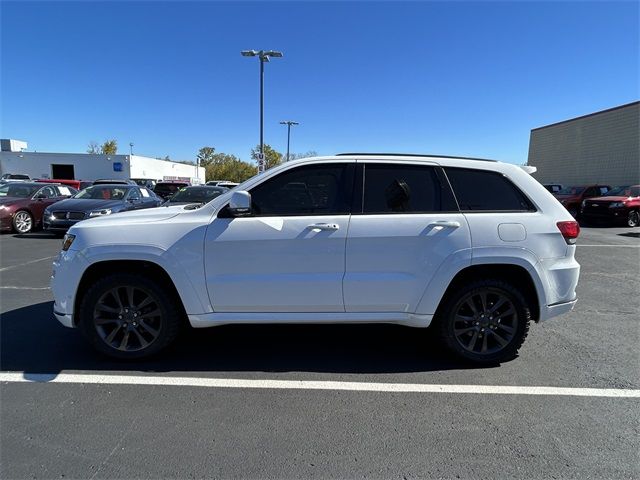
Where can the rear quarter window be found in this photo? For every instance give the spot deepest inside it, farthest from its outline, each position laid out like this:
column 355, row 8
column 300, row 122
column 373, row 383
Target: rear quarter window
column 485, row 191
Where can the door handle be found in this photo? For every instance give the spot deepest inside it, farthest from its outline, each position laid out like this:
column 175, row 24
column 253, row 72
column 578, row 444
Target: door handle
column 445, row 223
column 323, row 226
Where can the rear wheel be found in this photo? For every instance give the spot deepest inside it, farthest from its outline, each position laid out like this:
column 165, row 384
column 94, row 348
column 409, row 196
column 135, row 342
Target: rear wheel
column 129, row 316
column 633, row 219
column 22, row 222
column 485, row 321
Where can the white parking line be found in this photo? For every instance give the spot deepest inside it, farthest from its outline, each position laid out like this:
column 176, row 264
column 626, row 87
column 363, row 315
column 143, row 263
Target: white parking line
column 26, row 263
column 11, row 287
column 66, row 378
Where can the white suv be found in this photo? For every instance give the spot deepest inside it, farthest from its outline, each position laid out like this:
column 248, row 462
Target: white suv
column 475, row 248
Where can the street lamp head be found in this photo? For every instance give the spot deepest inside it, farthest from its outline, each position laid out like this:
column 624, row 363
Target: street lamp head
column 273, row 53
column 249, row 53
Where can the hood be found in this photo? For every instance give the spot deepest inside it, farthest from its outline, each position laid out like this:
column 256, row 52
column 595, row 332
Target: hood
column 8, row 201
column 608, row 199
column 147, row 215
column 85, row 204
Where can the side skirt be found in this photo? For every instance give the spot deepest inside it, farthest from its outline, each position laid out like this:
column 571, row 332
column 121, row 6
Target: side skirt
column 400, row 318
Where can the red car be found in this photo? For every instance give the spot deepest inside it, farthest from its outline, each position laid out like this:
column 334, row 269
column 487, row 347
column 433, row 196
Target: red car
column 572, row 197
column 620, row 205
column 22, row 203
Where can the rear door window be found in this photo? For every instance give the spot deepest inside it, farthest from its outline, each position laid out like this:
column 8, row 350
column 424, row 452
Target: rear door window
column 485, row 191
column 397, row 188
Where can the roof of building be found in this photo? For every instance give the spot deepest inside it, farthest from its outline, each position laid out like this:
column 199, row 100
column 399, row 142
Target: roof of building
column 619, row 107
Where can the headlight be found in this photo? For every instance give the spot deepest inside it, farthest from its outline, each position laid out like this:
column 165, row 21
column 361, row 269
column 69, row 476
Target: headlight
column 616, row 204
column 68, row 240
column 98, row 213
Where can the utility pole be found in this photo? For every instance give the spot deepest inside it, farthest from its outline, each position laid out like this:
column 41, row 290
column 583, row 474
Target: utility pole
column 263, row 56
column 288, row 123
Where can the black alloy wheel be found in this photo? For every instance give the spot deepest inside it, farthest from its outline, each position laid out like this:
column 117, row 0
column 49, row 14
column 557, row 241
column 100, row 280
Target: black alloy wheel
column 485, row 321
column 129, row 316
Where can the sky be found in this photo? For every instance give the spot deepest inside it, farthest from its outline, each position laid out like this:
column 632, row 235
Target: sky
column 451, row 78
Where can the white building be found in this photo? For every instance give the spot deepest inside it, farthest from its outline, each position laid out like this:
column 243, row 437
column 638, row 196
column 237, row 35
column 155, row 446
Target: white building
column 86, row 166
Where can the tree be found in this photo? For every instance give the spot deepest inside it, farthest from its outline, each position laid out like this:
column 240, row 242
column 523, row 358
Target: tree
column 93, row 147
column 223, row 166
column 109, row 147
column 206, row 156
column 310, row 153
column 272, row 158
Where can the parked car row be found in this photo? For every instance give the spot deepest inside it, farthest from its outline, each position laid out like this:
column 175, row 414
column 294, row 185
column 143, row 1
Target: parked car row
column 600, row 203
column 55, row 207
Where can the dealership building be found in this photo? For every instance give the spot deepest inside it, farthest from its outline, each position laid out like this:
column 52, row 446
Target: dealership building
column 88, row 166
column 601, row 147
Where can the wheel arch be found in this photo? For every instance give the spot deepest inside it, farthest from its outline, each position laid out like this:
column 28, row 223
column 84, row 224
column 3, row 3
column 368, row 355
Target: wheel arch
column 141, row 267
column 521, row 274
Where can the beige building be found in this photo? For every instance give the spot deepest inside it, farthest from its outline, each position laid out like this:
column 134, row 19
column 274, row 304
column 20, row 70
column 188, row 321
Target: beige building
column 602, row 147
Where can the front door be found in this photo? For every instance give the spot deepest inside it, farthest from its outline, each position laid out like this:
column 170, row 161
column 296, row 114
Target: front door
column 407, row 226
column 289, row 255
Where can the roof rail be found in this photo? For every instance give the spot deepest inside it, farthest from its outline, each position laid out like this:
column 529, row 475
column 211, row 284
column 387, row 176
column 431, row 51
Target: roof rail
column 415, row 155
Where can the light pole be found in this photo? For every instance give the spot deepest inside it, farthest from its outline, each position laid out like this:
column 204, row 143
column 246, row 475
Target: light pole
column 130, row 148
column 263, row 56
column 288, row 123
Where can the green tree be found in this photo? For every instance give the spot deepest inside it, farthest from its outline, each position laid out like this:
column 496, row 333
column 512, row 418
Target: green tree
column 272, row 157
column 222, row 166
column 109, row 147
column 206, row 156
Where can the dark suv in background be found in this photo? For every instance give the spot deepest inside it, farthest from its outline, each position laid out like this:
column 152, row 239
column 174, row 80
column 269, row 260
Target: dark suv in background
column 167, row 189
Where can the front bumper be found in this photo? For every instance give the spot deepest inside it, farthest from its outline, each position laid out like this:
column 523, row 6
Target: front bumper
column 58, row 225
column 68, row 268
column 608, row 215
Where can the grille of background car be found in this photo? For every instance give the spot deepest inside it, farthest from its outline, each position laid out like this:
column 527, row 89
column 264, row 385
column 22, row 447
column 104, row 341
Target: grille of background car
column 62, row 215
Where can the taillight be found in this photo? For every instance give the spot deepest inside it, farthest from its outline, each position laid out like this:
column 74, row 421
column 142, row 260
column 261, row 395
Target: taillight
column 569, row 230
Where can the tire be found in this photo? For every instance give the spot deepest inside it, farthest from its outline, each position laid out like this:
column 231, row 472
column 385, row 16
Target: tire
column 129, row 328
column 633, row 218
column 22, row 222
column 492, row 329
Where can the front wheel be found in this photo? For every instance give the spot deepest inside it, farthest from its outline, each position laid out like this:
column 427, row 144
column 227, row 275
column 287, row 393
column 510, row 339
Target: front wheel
column 129, row 316
column 633, row 219
column 485, row 321
column 22, row 222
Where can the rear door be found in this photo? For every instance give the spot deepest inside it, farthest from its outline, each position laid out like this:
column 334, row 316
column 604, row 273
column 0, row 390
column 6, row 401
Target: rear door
column 403, row 229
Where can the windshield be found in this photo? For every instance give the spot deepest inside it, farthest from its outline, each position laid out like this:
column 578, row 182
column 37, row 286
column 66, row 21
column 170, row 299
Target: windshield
column 168, row 187
column 102, row 192
column 19, row 190
column 571, row 191
column 624, row 191
column 197, row 194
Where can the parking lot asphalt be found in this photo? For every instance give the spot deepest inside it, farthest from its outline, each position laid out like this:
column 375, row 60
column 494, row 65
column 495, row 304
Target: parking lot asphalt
column 97, row 430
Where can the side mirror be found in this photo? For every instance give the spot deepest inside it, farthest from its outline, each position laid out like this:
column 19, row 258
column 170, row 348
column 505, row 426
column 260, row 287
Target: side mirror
column 240, row 204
